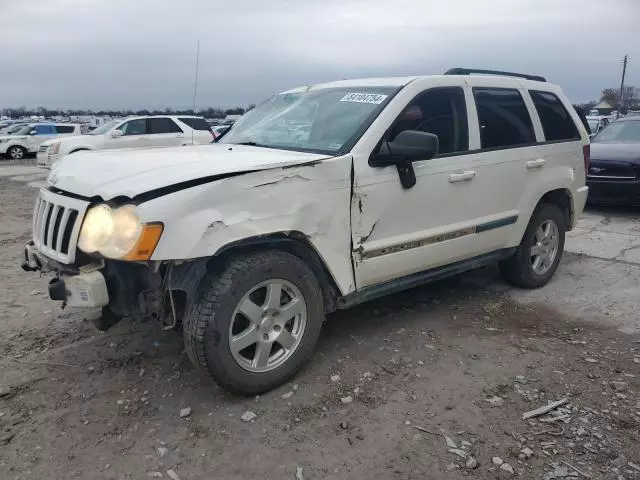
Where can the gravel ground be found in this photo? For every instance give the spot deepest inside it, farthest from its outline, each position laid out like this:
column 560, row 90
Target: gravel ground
column 430, row 383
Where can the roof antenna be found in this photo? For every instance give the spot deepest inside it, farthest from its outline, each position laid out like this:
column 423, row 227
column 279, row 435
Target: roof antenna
column 195, row 85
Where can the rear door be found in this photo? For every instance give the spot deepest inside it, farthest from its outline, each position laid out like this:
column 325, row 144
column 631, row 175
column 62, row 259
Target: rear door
column 66, row 130
column 164, row 132
column 508, row 157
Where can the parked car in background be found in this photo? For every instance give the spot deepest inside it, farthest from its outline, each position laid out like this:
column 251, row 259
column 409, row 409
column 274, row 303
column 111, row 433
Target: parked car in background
column 249, row 242
column 614, row 169
column 131, row 132
column 12, row 128
column 27, row 140
column 597, row 123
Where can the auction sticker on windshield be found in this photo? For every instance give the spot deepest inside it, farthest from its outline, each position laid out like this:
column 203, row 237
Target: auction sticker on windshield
column 374, row 98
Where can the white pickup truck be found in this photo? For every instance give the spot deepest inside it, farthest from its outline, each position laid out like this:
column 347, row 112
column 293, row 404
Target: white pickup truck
column 318, row 199
column 28, row 139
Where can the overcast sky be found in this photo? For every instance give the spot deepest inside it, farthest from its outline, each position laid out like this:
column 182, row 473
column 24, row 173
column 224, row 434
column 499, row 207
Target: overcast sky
column 136, row 54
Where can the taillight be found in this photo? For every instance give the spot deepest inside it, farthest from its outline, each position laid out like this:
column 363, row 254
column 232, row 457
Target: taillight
column 213, row 134
column 586, row 153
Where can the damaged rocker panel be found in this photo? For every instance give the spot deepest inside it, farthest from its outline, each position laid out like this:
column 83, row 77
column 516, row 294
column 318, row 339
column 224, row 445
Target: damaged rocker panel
column 443, row 237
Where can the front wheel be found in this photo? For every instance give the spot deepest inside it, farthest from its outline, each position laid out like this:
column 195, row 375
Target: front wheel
column 16, row 152
column 256, row 323
column 539, row 253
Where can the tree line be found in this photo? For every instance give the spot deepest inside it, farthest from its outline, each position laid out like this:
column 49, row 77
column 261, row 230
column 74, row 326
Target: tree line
column 19, row 112
column 630, row 99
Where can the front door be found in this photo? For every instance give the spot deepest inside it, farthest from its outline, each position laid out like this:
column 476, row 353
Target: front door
column 397, row 231
column 134, row 135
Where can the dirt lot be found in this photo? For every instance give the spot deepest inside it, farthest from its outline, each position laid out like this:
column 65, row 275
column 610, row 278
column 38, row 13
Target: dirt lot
column 390, row 380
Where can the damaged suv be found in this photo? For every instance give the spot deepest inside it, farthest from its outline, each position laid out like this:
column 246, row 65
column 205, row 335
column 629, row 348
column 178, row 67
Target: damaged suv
column 320, row 198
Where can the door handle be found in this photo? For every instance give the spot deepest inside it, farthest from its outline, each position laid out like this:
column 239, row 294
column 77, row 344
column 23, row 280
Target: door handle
column 179, row 136
column 536, row 163
column 462, row 177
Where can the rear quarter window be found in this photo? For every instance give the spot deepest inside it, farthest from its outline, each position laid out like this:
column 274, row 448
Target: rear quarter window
column 65, row 128
column 557, row 123
column 195, row 123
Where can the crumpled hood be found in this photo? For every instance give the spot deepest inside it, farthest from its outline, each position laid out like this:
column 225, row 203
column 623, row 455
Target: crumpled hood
column 617, row 151
column 113, row 173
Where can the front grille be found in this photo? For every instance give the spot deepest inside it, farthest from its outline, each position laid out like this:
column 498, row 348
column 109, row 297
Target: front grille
column 43, row 148
column 56, row 225
column 611, row 171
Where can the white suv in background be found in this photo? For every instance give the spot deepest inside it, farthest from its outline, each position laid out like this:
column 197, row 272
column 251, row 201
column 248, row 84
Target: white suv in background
column 320, row 198
column 131, row 132
column 28, row 139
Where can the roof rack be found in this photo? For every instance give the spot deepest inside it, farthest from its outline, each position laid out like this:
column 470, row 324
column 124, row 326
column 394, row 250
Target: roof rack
column 469, row 71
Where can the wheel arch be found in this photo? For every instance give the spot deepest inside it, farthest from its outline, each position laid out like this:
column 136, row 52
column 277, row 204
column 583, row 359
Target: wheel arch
column 562, row 198
column 293, row 242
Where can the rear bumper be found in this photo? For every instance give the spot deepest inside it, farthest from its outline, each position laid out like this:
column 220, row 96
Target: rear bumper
column 579, row 201
column 612, row 192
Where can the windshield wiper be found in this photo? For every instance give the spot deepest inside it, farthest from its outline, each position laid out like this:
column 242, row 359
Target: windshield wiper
column 251, row 144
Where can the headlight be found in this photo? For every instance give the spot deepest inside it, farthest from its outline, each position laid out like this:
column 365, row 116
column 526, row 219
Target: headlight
column 54, row 148
column 118, row 233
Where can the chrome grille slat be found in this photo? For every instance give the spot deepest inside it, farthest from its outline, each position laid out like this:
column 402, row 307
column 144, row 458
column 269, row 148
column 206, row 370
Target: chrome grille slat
column 43, row 221
column 55, row 210
column 56, row 225
column 62, row 228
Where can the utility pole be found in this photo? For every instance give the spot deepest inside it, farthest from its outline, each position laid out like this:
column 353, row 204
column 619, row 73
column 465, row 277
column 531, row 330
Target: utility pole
column 621, row 96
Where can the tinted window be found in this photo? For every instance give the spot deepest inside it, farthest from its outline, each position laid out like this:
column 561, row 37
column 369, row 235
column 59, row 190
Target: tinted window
column 503, row 117
column 441, row 111
column 195, row 123
column 44, row 129
column 65, row 128
column 557, row 124
column 134, row 127
column 163, row 125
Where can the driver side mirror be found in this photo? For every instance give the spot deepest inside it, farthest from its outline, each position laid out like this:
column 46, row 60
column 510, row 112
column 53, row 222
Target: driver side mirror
column 408, row 146
column 117, row 134
column 33, row 132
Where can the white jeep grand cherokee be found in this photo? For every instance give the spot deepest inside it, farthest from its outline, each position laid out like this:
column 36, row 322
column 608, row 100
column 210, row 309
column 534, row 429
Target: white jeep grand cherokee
column 321, row 198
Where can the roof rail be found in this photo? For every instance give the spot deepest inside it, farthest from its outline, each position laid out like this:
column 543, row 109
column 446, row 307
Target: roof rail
column 469, row 71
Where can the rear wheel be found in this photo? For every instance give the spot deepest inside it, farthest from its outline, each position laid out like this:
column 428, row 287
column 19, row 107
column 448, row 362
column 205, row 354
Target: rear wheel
column 538, row 255
column 256, row 323
column 16, row 152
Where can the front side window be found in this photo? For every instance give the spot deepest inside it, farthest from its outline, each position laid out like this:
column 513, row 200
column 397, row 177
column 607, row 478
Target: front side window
column 557, row 124
column 440, row 111
column 44, row 129
column 503, row 117
column 134, row 127
column 163, row 125
column 326, row 120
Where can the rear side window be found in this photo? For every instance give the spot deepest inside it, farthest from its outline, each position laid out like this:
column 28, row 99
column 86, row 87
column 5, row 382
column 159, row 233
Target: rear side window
column 163, row 125
column 195, row 123
column 503, row 117
column 557, row 124
column 65, row 128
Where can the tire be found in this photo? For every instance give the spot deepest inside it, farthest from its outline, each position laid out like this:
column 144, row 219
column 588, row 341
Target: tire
column 211, row 324
column 519, row 270
column 16, row 152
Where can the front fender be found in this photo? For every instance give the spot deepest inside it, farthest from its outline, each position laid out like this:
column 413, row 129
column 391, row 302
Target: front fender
column 311, row 199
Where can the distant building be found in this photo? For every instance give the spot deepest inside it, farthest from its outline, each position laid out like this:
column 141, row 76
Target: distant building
column 604, row 108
